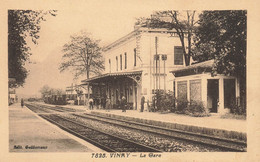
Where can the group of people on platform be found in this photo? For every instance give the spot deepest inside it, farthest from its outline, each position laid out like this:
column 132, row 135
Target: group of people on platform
column 106, row 103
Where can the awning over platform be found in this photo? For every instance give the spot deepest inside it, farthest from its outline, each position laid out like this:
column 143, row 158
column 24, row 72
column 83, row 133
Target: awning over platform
column 108, row 75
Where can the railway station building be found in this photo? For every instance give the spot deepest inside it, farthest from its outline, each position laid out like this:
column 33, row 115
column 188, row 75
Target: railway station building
column 137, row 65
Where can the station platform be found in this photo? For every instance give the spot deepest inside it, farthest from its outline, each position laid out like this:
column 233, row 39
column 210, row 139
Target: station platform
column 30, row 133
column 210, row 126
column 213, row 121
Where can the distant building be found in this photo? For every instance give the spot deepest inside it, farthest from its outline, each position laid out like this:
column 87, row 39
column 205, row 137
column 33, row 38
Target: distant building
column 12, row 97
column 137, row 65
column 77, row 92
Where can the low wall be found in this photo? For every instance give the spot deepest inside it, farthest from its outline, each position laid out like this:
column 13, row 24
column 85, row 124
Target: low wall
column 194, row 129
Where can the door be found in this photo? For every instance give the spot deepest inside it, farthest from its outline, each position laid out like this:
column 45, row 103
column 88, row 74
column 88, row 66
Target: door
column 229, row 93
column 213, row 95
column 117, row 97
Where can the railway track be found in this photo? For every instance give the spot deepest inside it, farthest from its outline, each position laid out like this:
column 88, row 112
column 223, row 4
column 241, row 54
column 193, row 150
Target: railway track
column 211, row 141
column 37, row 108
column 57, row 108
column 103, row 140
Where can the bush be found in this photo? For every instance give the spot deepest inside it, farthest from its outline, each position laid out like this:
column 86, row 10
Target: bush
column 193, row 108
column 237, row 109
column 196, row 109
column 166, row 102
column 163, row 102
column 182, row 104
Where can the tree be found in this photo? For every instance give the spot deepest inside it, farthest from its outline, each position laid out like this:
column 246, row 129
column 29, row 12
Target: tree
column 22, row 24
column 183, row 22
column 82, row 55
column 59, row 91
column 46, row 90
column 221, row 35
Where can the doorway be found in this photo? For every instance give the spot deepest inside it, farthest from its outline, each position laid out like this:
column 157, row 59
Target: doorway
column 117, row 97
column 229, row 93
column 213, row 95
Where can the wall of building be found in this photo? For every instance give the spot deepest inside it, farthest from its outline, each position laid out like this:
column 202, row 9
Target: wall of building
column 165, row 45
column 195, row 87
column 144, row 43
column 126, row 47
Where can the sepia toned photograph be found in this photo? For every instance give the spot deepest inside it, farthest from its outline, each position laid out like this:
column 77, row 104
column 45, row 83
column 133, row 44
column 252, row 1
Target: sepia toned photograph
column 139, row 83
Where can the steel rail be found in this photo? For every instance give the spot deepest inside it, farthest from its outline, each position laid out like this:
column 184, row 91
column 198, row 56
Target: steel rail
column 109, row 149
column 54, row 109
column 34, row 108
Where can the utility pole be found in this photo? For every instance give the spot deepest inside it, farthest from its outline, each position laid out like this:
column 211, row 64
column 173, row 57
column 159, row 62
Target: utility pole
column 87, row 71
column 159, row 72
column 164, row 58
column 156, row 58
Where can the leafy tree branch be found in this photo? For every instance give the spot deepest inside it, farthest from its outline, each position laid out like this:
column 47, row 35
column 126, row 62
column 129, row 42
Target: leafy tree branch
column 82, row 55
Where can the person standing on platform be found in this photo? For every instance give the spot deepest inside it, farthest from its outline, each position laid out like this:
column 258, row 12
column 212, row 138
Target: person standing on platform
column 142, row 103
column 90, row 102
column 22, row 103
column 123, row 103
column 148, row 105
column 108, row 104
column 104, row 102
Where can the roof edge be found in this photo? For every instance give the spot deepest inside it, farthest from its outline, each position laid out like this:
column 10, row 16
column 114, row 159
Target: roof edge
column 204, row 64
column 112, row 74
column 134, row 33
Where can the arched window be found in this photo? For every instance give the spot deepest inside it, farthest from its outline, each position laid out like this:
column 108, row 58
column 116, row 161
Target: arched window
column 121, row 62
column 109, row 64
column 135, row 57
column 116, row 63
column 125, row 60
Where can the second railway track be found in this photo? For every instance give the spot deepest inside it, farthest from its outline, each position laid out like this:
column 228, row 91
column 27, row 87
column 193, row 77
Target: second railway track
column 37, row 108
column 103, row 140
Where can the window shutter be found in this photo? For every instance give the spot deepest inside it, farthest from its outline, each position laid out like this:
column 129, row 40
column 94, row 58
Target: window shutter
column 178, row 55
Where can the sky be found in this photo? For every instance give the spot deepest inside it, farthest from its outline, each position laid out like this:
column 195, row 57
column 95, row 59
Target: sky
column 108, row 23
column 107, row 20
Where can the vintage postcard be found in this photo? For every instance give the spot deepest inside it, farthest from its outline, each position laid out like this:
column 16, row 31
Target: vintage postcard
column 129, row 81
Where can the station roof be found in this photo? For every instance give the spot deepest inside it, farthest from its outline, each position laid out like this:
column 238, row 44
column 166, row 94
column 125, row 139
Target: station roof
column 202, row 65
column 107, row 75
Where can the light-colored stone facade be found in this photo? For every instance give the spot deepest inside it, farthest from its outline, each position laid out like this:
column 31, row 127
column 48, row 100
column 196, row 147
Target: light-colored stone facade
column 135, row 53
